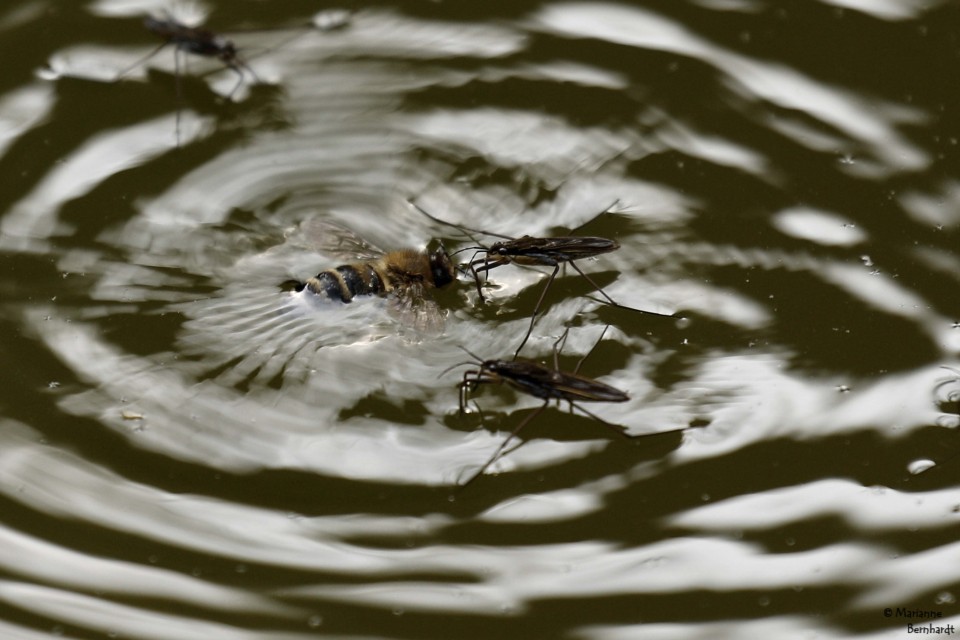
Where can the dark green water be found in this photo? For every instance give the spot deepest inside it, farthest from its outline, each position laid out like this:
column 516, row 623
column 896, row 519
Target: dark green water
column 188, row 451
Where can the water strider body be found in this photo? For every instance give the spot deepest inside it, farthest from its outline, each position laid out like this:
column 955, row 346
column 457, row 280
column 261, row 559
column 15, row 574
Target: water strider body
column 536, row 251
column 546, row 383
column 197, row 41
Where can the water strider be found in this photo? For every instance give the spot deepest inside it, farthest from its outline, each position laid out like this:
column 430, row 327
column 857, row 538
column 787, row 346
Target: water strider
column 537, row 251
column 547, row 384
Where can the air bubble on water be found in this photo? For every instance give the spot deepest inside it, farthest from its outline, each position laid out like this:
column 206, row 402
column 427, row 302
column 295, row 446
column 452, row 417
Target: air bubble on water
column 919, row 466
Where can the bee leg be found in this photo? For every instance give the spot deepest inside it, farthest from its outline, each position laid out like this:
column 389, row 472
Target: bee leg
column 536, row 309
column 503, row 445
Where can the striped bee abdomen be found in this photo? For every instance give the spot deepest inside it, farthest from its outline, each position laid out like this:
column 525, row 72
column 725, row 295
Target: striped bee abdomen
column 346, row 281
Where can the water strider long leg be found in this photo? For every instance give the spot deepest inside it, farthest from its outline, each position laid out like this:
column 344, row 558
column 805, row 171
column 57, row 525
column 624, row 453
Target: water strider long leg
column 178, row 89
column 503, row 445
column 596, row 344
column 536, row 310
column 237, row 67
column 160, row 47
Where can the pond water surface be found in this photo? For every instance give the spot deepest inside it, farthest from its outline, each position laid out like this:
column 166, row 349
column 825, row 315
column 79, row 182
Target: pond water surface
column 191, row 451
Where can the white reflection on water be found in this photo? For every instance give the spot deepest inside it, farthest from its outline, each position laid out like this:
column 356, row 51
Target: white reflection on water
column 869, row 122
column 824, row 227
column 21, row 110
column 518, row 577
column 112, row 618
column 866, row 508
column 105, row 155
column 888, row 9
column 779, row 628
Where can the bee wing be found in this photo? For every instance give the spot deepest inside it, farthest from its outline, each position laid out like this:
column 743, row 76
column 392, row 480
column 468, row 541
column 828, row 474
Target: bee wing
column 329, row 238
column 414, row 307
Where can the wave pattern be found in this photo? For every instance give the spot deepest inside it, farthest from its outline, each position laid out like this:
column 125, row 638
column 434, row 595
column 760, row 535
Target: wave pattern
column 189, row 451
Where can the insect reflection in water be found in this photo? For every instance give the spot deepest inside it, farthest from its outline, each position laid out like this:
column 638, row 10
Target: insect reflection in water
column 545, row 383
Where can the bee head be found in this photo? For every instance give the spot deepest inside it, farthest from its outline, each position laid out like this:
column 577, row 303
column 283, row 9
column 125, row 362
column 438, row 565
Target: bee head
column 441, row 268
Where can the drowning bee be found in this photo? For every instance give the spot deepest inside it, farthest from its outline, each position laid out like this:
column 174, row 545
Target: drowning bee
column 533, row 251
column 405, row 277
column 545, row 383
